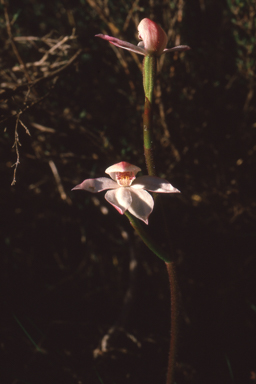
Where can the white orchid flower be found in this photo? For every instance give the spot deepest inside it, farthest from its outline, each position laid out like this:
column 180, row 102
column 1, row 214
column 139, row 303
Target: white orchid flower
column 126, row 192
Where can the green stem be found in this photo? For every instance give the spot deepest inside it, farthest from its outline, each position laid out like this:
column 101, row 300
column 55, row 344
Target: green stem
column 145, row 237
column 149, row 72
column 174, row 321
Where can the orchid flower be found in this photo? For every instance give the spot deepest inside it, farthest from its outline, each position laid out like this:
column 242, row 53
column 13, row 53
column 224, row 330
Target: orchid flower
column 153, row 40
column 126, row 192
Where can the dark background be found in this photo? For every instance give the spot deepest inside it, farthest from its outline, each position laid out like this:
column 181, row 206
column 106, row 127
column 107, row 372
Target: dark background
column 65, row 255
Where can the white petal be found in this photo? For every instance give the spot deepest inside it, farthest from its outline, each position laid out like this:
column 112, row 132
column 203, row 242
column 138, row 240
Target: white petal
column 142, row 204
column 97, row 185
column 178, row 48
column 154, row 184
column 123, row 166
column 120, row 198
column 123, row 44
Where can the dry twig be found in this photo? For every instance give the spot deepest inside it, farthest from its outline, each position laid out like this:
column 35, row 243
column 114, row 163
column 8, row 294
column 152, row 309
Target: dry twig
column 11, row 92
column 17, row 144
column 14, row 48
column 60, row 187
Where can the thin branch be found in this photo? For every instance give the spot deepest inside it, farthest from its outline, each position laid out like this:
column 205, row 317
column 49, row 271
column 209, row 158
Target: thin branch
column 26, row 129
column 60, row 187
column 129, row 14
column 11, row 92
column 101, row 11
column 14, row 48
column 16, row 145
column 42, row 128
column 57, row 45
column 27, row 106
column 26, row 38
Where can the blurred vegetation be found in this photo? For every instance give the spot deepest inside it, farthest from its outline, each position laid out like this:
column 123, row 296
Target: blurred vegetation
column 71, row 105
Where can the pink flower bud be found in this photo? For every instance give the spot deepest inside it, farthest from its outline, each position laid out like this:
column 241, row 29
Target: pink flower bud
column 153, row 37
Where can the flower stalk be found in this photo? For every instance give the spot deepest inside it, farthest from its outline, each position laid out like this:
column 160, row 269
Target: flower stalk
column 147, row 239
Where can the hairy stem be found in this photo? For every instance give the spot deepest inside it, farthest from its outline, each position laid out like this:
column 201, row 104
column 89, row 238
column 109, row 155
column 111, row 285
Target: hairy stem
column 174, row 321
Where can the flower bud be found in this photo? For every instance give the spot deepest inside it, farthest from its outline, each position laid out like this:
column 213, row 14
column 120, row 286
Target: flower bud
column 153, row 37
